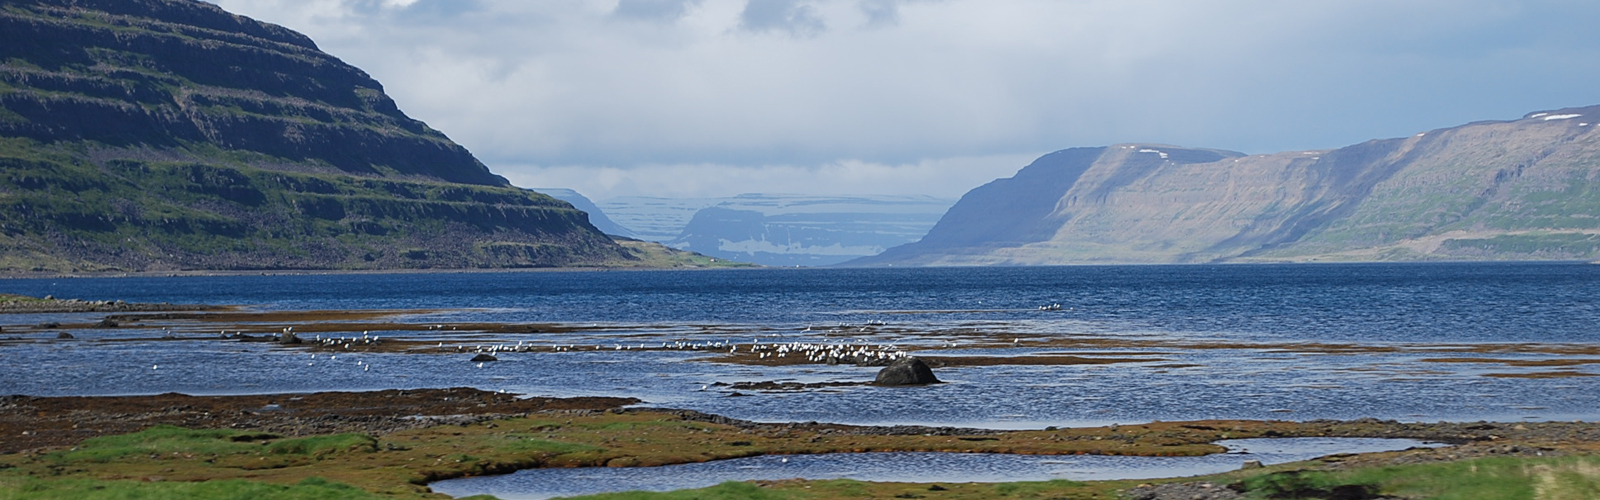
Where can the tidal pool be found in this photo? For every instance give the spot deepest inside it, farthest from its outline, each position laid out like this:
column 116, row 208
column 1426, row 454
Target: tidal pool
column 538, row 484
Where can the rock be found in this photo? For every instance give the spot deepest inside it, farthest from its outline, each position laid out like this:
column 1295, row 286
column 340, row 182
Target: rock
column 289, row 338
column 484, row 357
column 106, row 323
column 64, row 335
column 48, row 325
column 906, row 371
column 1251, row 464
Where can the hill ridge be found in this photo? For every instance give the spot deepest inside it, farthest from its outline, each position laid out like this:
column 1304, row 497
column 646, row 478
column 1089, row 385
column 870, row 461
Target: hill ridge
column 1522, row 189
column 148, row 135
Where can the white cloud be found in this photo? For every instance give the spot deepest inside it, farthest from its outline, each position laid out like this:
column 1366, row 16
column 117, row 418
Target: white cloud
column 631, row 85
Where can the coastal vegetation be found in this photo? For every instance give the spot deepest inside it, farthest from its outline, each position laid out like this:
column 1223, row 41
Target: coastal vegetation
column 233, row 463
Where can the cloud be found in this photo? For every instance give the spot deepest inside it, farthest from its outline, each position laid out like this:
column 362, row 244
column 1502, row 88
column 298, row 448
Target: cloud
column 796, row 17
column 653, row 10
column 631, row 85
column 881, row 12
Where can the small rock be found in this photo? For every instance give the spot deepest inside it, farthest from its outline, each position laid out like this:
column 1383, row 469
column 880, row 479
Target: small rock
column 48, row 325
column 484, row 357
column 64, row 335
column 106, row 323
column 906, row 371
column 1251, row 464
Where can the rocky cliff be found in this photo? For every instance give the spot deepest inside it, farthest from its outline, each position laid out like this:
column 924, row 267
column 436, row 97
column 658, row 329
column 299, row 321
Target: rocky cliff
column 170, row 134
column 1502, row 190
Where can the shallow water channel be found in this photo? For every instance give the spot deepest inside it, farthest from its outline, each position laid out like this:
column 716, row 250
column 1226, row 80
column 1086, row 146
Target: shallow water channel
column 538, row 484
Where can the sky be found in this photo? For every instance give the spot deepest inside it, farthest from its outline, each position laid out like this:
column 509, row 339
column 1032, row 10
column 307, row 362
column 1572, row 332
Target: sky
column 711, row 98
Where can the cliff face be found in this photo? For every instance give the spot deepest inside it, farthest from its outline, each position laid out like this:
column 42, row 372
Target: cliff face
column 1515, row 190
column 170, row 134
column 174, row 73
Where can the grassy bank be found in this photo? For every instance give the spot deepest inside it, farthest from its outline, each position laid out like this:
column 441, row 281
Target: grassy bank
column 173, row 462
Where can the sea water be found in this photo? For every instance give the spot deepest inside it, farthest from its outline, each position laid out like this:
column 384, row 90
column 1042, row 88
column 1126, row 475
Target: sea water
column 539, row 484
column 1399, row 318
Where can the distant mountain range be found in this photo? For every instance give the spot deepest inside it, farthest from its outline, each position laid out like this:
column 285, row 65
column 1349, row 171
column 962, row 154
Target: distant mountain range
column 140, row 135
column 1526, row 189
column 779, row 230
column 596, row 216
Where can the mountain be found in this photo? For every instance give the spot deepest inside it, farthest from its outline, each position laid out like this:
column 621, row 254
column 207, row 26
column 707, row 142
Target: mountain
column 654, row 218
column 169, row 134
column 596, row 216
column 790, row 230
column 780, row 229
column 1526, row 189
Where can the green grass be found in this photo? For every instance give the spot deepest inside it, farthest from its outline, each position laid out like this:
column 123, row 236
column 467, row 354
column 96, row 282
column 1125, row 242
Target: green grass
column 726, row 491
column 163, row 440
column 1498, row 478
column 522, row 443
column 27, row 488
column 223, row 215
column 323, row 445
column 1575, row 245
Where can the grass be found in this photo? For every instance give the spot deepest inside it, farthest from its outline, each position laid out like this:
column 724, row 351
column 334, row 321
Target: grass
column 847, row 488
column 731, row 490
column 218, row 214
column 314, row 488
column 399, row 464
column 173, row 462
column 164, row 440
column 1498, row 477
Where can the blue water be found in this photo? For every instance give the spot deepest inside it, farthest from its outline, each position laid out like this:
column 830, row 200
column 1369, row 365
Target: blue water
column 539, row 484
column 1426, row 307
column 1422, row 302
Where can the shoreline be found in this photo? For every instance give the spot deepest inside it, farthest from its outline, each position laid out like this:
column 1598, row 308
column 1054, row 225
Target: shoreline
column 43, row 422
column 396, row 442
column 22, row 304
column 358, row 272
column 335, row 272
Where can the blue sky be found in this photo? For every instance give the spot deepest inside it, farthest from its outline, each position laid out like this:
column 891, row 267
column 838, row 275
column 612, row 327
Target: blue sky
column 700, row 98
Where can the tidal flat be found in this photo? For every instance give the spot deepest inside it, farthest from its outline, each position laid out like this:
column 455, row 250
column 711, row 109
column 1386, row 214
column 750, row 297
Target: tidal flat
column 386, row 384
column 394, row 443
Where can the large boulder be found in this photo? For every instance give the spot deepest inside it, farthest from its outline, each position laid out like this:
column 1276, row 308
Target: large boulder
column 906, row 371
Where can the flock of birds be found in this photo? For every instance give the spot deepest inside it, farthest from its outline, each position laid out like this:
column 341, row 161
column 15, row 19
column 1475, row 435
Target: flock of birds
column 366, row 339
column 857, row 352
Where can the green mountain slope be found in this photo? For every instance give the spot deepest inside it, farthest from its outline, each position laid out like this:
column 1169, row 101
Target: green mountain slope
column 1526, row 189
column 169, row 134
